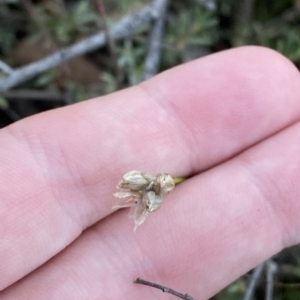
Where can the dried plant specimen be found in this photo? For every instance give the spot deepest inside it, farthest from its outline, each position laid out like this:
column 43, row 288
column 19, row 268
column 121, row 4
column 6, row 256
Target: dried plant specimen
column 143, row 192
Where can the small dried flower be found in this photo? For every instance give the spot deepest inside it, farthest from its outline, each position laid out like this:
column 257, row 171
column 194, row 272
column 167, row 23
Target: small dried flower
column 143, row 192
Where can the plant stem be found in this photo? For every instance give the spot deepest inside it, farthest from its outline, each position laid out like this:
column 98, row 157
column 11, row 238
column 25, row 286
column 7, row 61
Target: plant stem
column 110, row 43
column 164, row 289
column 178, row 180
column 253, row 282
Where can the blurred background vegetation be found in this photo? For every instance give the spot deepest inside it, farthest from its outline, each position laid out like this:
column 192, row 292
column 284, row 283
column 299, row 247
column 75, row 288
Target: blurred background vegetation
column 30, row 30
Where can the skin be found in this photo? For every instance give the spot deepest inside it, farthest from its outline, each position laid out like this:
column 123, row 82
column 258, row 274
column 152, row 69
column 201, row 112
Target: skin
column 230, row 119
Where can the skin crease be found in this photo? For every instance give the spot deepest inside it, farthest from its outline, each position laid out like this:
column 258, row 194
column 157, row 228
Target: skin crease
column 230, row 119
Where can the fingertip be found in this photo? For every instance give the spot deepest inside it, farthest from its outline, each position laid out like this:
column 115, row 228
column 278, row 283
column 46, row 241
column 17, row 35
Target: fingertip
column 261, row 62
column 236, row 97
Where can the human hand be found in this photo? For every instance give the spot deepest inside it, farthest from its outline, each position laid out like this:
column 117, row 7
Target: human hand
column 230, row 119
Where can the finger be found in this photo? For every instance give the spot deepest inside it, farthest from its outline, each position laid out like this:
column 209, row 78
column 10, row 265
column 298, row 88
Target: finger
column 212, row 229
column 223, row 101
column 59, row 169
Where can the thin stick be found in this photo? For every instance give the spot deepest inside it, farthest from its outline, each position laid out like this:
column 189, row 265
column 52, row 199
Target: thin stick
column 271, row 270
column 288, row 285
column 32, row 12
column 154, row 52
column 253, row 282
column 29, row 8
column 33, row 95
column 164, row 289
column 125, row 27
column 110, row 42
column 242, row 19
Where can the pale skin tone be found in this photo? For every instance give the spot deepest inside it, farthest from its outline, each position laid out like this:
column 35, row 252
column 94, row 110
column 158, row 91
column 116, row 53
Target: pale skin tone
column 230, row 119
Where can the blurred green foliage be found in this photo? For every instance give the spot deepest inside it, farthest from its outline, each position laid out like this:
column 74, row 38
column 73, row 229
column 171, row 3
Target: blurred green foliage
column 53, row 20
column 191, row 30
column 82, row 19
column 188, row 33
column 234, row 291
column 267, row 10
column 131, row 59
column 7, row 39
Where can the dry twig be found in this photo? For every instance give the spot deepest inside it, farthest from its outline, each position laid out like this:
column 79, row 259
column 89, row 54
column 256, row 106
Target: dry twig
column 34, row 95
column 153, row 56
column 242, row 20
column 110, row 42
column 271, row 270
column 124, row 28
column 164, row 289
column 253, row 282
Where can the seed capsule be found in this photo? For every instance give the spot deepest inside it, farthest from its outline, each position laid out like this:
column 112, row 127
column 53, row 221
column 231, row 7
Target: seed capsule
column 152, row 201
column 143, row 192
column 135, row 180
column 163, row 184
